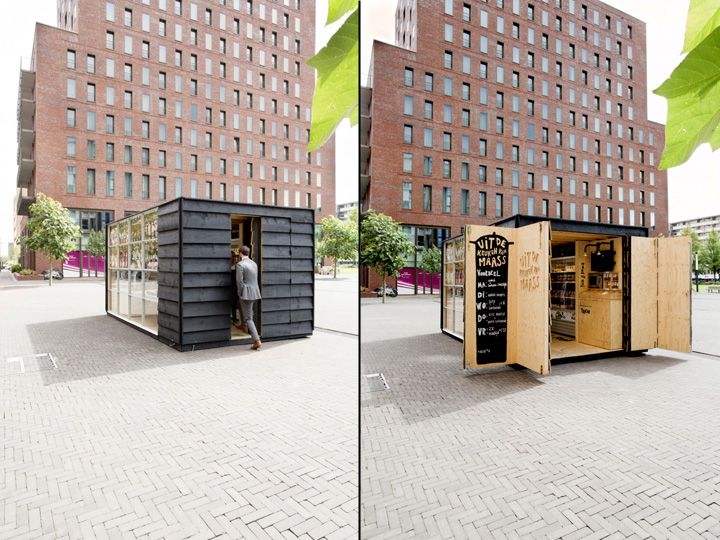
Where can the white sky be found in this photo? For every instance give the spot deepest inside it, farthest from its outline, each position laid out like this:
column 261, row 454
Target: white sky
column 17, row 26
column 693, row 188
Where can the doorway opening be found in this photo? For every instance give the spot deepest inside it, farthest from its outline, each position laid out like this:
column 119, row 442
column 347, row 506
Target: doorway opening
column 586, row 294
column 245, row 231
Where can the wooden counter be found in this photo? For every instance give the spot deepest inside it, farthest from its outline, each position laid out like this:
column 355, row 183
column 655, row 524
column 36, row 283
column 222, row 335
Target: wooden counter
column 599, row 318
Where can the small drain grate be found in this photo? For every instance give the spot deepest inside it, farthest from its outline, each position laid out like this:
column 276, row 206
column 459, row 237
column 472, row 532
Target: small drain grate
column 16, row 365
column 376, row 382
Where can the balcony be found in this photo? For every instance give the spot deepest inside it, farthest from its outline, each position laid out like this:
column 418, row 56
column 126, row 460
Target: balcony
column 23, row 203
column 26, row 125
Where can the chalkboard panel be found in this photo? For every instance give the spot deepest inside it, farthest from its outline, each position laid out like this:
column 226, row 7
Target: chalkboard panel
column 491, row 297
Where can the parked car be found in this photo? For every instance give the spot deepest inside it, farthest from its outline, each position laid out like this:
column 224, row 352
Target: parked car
column 55, row 274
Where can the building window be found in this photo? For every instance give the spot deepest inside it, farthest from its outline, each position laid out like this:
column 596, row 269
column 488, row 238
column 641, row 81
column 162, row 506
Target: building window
column 447, row 200
column 128, row 185
column 70, row 184
column 145, row 186
column 91, row 182
column 110, row 183
column 427, row 198
column 407, row 195
column 71, row 118
column 408, row 79
column 110, row 40
column 71, row 147
column 70, row 61
column 498, row 205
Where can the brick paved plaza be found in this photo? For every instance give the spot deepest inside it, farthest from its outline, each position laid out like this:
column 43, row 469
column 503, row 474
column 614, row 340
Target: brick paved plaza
column 128, row 438
column 623, row 447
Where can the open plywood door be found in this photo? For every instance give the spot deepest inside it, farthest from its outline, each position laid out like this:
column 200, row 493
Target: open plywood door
column 507, row 297
column 674, row 292
column 660, row 293
column 643, row 293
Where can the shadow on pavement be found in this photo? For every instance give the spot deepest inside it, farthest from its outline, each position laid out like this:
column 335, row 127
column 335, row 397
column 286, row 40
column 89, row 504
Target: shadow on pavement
column 100, row 346
column 427, row 373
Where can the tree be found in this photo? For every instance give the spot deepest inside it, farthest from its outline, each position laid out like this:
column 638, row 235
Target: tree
column 384, row 245
column 431, row 262
column 696, row 244
column 336, row 89
column 710, row 253
column 51, row 230
column 96, row 246
column 693, row 89
column 338, row 240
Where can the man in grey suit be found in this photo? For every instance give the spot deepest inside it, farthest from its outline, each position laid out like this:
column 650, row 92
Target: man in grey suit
column 246, row 272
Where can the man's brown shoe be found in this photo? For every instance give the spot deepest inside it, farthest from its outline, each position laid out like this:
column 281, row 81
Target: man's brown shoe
column 256, row 346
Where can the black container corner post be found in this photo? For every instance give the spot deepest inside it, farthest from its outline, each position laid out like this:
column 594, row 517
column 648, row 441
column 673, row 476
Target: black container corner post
column 169, row 271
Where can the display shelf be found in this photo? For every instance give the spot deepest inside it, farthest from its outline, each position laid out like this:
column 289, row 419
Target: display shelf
column 562, row 295
column 453, row 286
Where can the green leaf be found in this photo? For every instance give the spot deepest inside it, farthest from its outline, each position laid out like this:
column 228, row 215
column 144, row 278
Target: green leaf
column 338, row 8
column 693, row 94
column 703, row 17
column 336, row 90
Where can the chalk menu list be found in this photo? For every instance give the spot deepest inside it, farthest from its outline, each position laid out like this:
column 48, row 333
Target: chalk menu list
column 491, row 286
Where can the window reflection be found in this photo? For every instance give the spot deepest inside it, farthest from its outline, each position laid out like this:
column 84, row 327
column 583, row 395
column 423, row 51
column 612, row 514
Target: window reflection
column 132, row 273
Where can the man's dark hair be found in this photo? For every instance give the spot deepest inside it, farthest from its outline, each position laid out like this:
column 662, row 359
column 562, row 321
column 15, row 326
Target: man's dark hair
column 245, row 251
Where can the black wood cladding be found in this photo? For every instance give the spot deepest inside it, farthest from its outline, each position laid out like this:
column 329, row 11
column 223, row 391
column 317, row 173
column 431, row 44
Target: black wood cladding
column 194, row 271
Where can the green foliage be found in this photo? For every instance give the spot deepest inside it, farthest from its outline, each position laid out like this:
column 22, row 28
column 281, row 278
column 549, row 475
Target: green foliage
column 431, row 260
column 693, row 89
column 16, row 268
column 710, row 253
column 336, row 89
column 27, row 272
column 338, row 240
column 384, row 245
column 96, row 243
column 51, row 230
column 696, row 244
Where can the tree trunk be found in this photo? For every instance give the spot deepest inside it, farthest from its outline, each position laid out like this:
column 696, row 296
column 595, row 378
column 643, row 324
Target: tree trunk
column 50, row 276
column 96, row 263
column 334, row 268
column 384, row 289
column 431, row 280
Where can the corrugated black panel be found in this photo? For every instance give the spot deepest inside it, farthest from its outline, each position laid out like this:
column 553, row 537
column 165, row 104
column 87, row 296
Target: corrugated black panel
column 298, row 315
column 204, row 324
column 192, row 281
column 169, row 279
column 275, row 239
column 169, row 207
column 169, row 307
column 275, row 317
column 169, row 334
column 287, row 330
column 276, row 252
column 299, row 265
column 205, row 294
column 274, row 224
column 276, row 278
column 169, row 293
column 205, row 220
column 277, row 265
column 201, row 236
column 206, row 309
column 168, row 237
column 207, row 265
column 169, row 251
column 201, row 251
column 302, row 240
column 168, row 222
column 297, row 278
column 170, row 323
column 170, row 265
column 196, row 338
column 303, row 228
column 299, row 252
column 275, row 304
column 287, row 291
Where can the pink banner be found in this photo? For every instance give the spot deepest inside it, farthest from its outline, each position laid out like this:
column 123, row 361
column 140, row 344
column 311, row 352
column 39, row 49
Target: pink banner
column 408, row 277
column 72, row 262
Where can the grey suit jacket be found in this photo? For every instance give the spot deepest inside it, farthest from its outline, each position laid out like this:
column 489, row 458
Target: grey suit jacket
column 246, row 272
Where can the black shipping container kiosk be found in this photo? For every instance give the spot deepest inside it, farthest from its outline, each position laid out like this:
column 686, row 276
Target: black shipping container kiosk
column 540, row 289
column 169, row 274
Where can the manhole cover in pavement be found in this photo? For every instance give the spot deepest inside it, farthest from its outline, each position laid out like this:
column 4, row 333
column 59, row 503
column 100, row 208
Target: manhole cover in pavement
column 14, row 365
column 376, row 382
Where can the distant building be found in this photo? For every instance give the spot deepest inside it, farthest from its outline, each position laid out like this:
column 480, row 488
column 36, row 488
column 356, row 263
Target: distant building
column 484, row 110
column 125, row 105
column 343, row 210
column 702, row 226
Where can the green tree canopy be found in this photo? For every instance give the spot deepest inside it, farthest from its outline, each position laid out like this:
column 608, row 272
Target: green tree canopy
column 710, row 253
column 51, row 230
column 338, row 240
column 431, row 262
column 384, row 245
column 696, row 244
column 693, row 89
column 96, row 246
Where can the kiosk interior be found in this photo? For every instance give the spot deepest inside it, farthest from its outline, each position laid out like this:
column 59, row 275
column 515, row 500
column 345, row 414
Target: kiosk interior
column 551, row 289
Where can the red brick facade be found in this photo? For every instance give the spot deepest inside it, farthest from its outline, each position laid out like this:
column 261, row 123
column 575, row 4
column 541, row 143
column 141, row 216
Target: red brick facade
column 508, row 92
column 205, row 98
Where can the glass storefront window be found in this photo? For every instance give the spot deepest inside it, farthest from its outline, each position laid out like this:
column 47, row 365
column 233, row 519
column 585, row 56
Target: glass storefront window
column 133, row 270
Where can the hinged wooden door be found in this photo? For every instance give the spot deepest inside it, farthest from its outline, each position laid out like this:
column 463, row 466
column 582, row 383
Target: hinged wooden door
column 643, row 293
column 507, row 297
column 674, row 257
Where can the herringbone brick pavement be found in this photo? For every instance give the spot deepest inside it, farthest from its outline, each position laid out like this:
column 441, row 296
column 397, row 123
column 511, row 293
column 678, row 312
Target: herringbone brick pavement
column 626, row 447
column 128, row 438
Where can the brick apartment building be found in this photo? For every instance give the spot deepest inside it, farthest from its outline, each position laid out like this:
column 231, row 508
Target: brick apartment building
column 485, row 109
column 129, row 103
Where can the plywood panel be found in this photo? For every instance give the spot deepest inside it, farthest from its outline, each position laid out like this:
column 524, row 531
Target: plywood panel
column 472, row 233
column 674, row 282
column 643, row 293
column 529, row 321
column 599, row 320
